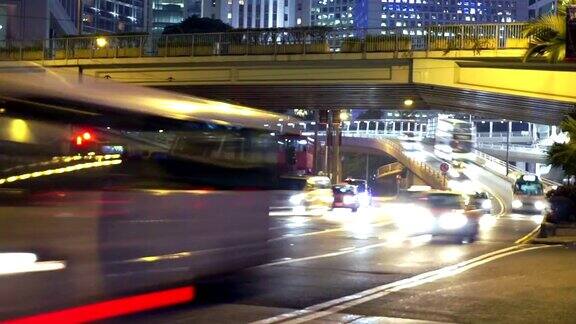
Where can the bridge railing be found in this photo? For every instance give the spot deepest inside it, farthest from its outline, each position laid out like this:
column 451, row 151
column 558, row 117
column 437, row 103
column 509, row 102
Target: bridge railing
column 400, row 41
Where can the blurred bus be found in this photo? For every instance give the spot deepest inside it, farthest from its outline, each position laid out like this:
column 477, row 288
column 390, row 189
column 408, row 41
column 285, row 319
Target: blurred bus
column 455, row 139
column 108, row 189
column 528, row 195
column 295, row 154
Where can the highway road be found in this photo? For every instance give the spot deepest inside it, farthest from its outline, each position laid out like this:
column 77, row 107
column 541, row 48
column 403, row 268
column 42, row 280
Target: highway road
column 322, row 261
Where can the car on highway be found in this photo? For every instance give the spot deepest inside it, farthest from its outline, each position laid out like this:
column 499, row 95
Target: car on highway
column 440, row 214
column 346, row 196
column 315, row 195
column 364, row 194
column 480, row 200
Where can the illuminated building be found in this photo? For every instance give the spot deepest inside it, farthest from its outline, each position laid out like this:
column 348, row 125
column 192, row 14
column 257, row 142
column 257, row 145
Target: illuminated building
column 34, row 20
column 165, row 13
column 537, row 8
column 412, row 15
column 254, row 13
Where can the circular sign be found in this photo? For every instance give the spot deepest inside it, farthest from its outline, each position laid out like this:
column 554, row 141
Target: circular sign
column 444, row 167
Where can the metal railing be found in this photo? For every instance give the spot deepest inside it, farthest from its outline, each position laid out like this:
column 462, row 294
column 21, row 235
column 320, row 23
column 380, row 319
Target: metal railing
column 532, row 149
column 388, row 169
column 401, row 42
column 499, row 167
column 504, row 134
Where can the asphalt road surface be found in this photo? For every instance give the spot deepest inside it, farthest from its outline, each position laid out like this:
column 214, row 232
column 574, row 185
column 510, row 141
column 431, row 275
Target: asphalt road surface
column 324, row 261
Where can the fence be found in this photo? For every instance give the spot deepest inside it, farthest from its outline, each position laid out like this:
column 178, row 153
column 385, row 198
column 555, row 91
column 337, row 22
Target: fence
column 402, row 42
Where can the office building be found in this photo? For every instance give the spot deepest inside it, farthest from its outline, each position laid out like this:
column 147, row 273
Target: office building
column 165, row 13
column 537, row 8
column 253, row 13
column 113, row 16
column 413, row 15
column 35, row 19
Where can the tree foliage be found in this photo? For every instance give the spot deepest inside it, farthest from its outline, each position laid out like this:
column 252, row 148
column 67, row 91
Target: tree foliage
column 195, row 24
column 547, row 38
column 563, row 155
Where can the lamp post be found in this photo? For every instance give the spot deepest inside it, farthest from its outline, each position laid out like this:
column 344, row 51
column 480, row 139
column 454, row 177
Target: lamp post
column 79, row 17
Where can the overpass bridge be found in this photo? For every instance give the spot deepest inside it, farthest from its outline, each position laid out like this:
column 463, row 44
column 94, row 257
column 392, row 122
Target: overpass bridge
column 468, row 68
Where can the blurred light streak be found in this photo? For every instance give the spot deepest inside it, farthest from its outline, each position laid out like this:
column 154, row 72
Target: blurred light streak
column 13, row 263
column 112, row 308
column 487, row 221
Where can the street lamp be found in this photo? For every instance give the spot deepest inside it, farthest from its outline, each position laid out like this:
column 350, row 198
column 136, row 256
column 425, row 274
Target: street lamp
column 344, row 116
column 101, row 42
column 408, row 102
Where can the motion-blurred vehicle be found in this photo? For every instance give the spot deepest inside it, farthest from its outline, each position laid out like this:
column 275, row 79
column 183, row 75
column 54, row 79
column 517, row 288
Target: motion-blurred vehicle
column 480, row 200
column 440, row 213
column 315, row 196
column 346, row 196
column 410, row 141
column 364, row 194
column 528, row 195
column 295, row 154
column 455, row 139
column 108, row 189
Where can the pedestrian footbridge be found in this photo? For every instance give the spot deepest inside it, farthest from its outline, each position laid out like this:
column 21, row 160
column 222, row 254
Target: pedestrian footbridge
column 470, row 68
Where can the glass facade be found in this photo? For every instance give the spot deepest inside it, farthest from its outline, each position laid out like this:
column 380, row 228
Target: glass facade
column 165, row 13
column 113, row 16
column 412, row 15
column 538, row 8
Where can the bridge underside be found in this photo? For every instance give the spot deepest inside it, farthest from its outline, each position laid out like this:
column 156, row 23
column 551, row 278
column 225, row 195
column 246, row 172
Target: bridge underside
column 385, row 96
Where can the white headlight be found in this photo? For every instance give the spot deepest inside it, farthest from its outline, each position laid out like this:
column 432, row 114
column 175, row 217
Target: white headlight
column 296, row 199
column 487, row 204
column 452, row 221
column 517, row 204
column 349, row 200
column 414, row 219
column 540, row 205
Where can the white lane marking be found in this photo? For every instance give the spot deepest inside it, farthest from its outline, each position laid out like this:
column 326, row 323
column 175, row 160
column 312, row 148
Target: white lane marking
column 326, row 255
column 339, row 304
column 339, row 229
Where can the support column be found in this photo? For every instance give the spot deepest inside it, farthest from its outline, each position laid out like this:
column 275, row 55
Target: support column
column 491, row 129
column 367, row 126
column 401, row 126
column 316, row 155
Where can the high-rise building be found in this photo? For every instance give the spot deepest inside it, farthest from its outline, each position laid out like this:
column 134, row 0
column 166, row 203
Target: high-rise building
column 35, row 19
column 537, row 8
column 412, row 15
column 165, row 13
column 253, row 13
column 113, row 16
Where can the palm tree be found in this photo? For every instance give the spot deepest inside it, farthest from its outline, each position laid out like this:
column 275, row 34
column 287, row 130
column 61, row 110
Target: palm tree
column 547, row 38
column 563, row 155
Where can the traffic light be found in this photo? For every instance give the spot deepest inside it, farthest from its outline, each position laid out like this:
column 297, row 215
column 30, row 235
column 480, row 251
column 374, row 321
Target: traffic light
column 83, row 138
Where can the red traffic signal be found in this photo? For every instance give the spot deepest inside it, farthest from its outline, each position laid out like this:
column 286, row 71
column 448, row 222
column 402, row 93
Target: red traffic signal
column 83, row 137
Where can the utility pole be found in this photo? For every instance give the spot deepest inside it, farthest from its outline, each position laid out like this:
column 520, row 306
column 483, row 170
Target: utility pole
column 79, row 17
column 508, row 148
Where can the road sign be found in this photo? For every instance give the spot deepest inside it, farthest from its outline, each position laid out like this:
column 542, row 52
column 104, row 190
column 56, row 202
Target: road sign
column 444, row 167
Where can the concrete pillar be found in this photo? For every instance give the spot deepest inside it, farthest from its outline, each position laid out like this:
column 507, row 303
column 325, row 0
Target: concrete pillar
column 393, row 126
column 401, row 126
column 553, row 130
column 377, row 126
column 491, row 124
column 367, row 126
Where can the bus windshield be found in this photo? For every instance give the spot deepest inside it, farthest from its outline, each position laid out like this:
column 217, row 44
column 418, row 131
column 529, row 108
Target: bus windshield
column 533, row 188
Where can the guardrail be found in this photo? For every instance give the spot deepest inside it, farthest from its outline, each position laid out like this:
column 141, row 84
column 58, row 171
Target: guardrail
column 388, row 169
column 504, row 134
column 445, row 38
column 532, row 149
column 499, row 167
